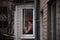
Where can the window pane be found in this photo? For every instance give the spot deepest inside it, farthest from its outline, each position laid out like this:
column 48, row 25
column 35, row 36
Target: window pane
column 28, row 21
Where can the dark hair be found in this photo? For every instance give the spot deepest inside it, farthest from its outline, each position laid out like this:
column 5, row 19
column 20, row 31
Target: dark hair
column 30, row 21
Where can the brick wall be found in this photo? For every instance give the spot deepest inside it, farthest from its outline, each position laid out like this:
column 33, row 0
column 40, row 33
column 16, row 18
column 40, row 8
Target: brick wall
column 43, row 5
column 47, row 19
column 18, row 22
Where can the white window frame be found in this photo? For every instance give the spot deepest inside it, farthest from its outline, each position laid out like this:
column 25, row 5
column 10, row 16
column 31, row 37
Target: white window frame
column 15, row 23
column 41, row 26
column 27, row 36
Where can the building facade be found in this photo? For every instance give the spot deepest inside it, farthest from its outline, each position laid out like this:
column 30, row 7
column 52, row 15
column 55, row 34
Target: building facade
column 49, row 20
column 30, row 19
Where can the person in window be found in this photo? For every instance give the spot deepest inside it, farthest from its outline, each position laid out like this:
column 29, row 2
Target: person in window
column 29, row 28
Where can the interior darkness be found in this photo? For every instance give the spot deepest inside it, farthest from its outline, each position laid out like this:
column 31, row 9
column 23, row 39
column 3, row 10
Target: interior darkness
column 3, row 17
column 24, row 1
column 28, row 16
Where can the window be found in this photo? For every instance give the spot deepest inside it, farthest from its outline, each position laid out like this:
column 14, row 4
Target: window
column 53, row 20
column 27, row 17
column 28, row 21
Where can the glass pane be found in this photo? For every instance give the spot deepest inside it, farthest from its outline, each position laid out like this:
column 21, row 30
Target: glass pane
column 28, row 21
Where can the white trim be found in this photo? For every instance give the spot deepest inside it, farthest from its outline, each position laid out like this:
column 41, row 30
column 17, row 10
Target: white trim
column 15, row 23
column 41, row 26
column 27, row 36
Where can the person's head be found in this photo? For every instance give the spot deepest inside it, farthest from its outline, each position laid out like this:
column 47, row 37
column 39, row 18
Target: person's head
column 30, row 22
